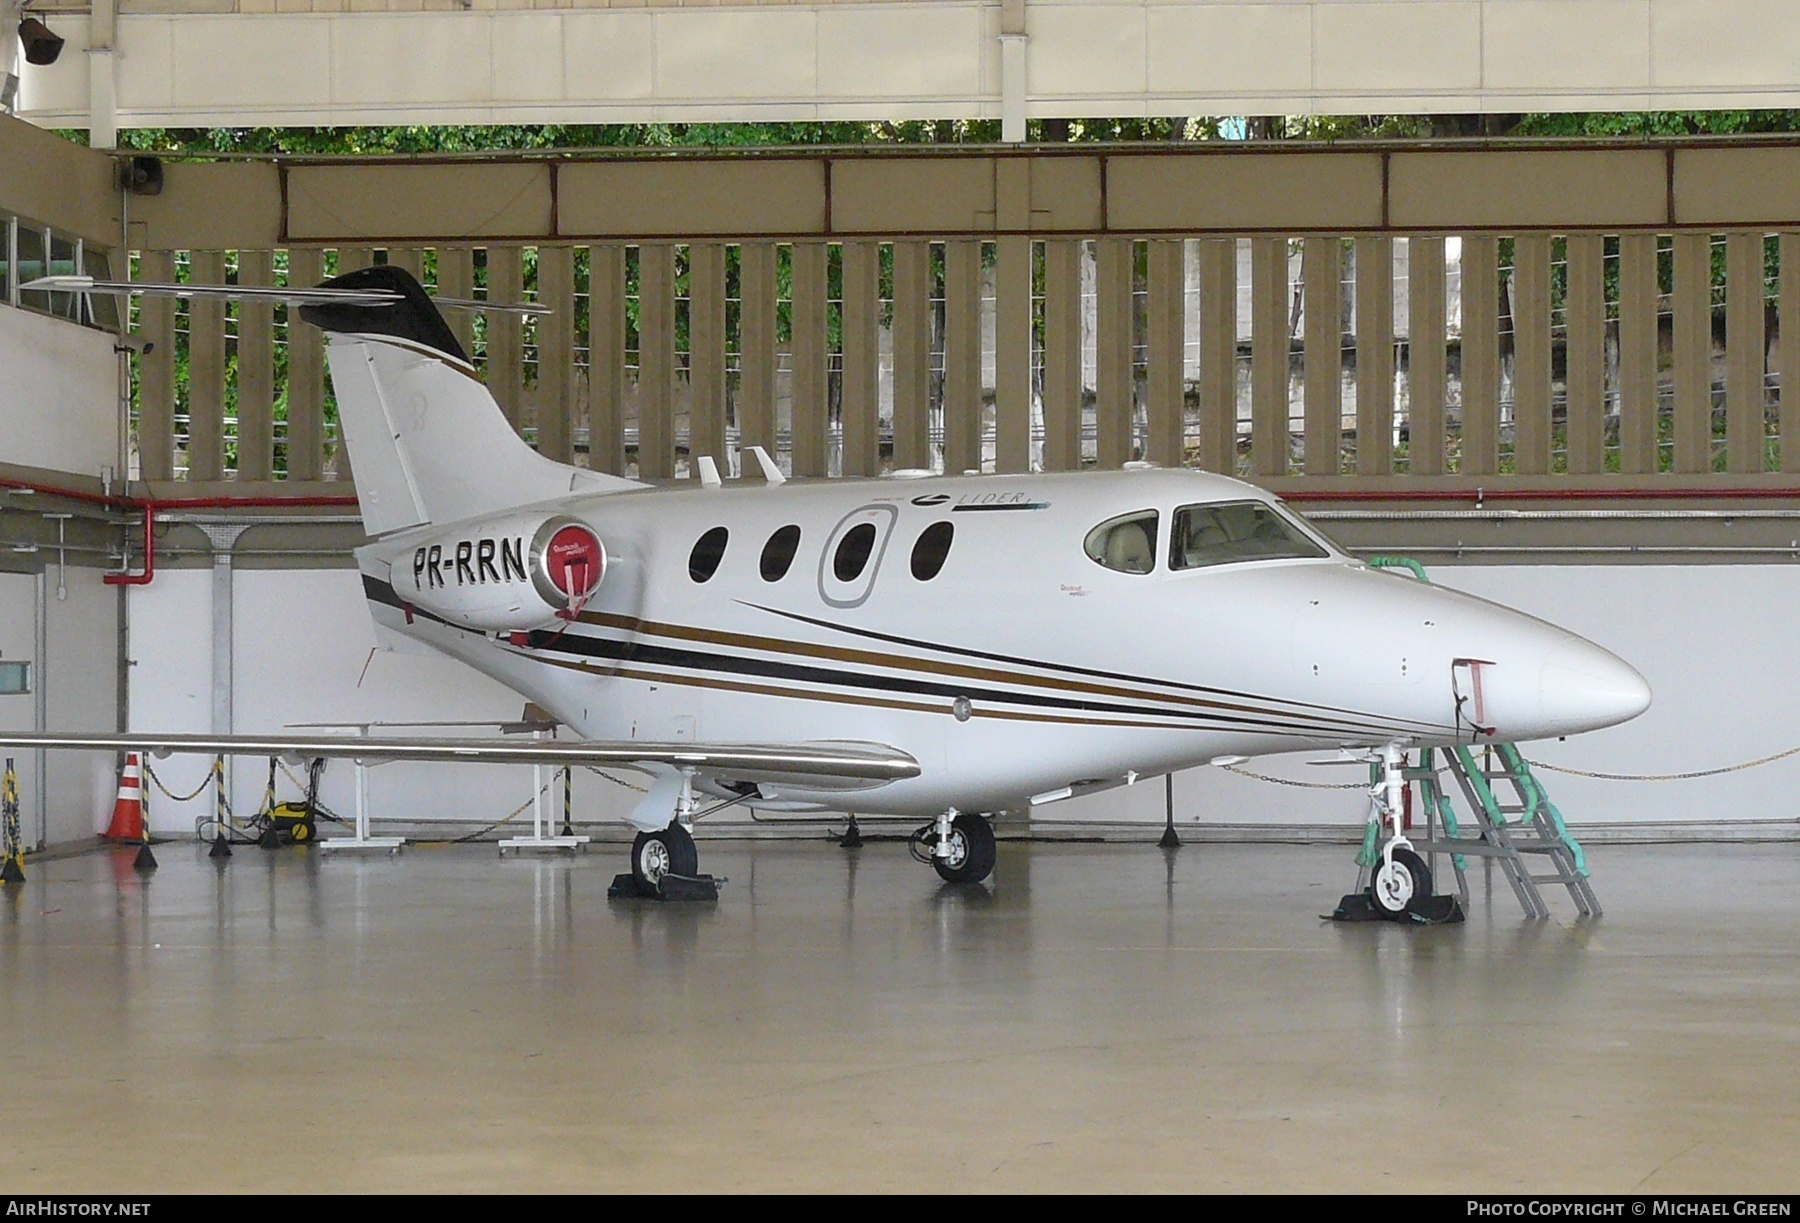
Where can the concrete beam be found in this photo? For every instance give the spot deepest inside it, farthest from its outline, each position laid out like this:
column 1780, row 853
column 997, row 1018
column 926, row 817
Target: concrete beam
column 187, row 63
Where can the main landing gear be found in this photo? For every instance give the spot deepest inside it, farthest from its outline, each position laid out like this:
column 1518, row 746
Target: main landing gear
column 665, row 863
column 959, row 846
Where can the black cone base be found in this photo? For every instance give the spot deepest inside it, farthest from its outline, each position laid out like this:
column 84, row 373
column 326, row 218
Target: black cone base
column 852, row 838
column 12, row 872
column 1169, row 839
column 270, row 839
column 145, row 860
column 221, row 848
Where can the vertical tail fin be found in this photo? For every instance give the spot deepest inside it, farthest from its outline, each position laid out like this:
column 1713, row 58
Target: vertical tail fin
column 428, row 442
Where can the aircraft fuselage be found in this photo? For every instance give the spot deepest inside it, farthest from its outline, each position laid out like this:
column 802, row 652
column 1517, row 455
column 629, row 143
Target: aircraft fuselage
column 993, row 629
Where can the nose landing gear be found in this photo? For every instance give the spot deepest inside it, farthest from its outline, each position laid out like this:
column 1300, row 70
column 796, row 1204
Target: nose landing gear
column 1400, row 886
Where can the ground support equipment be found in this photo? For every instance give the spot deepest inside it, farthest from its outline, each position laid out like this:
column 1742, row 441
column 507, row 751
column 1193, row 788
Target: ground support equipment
column 361, row 839
column 1514, row 831
column 669, row 887
column 542, row 826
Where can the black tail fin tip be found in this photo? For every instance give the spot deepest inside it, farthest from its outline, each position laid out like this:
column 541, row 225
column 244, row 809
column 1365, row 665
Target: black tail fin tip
column 414, row 317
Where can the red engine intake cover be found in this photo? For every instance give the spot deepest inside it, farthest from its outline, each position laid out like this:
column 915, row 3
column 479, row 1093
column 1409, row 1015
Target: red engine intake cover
column 573, row 560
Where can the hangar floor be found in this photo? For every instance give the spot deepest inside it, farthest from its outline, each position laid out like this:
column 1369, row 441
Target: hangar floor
column 1103, row 1017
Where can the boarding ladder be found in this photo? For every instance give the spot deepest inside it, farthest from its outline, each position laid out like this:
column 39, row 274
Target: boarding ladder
column 1512, row 821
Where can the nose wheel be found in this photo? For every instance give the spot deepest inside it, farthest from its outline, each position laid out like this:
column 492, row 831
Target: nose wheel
column 1400, row 883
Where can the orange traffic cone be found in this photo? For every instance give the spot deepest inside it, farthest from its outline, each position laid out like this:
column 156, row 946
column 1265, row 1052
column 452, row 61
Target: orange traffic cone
column 128, row 811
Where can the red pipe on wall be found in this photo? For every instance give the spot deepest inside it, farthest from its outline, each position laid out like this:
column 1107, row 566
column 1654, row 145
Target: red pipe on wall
column 149, row 508
column 147, row 574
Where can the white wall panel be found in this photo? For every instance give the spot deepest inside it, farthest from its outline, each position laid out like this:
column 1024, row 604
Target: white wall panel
column 221, row 63
column 732, row 53
column 1229, row 49
column 935, row 60
column 608, row 56
column 1084, row 50
column 1381, row 48
column 445, row 61
column 80, row 682
column 900, row 52
column 1565, row 47
column 58, row 394
column 529, row 60
column 1720, row 44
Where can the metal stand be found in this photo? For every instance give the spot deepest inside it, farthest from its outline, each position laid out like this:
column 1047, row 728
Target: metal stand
column 362, row 839
column 542, row 836
column 1505, row 832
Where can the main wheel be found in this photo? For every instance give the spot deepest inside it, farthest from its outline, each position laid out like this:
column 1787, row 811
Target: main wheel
column 972, row 851
column 669, row 852
column 1400, row 885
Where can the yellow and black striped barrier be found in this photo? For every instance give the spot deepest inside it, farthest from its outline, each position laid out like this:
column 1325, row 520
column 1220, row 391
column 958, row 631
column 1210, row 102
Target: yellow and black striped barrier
column 12, row 843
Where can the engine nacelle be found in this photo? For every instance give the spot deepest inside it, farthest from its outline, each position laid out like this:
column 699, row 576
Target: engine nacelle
column 519, row 572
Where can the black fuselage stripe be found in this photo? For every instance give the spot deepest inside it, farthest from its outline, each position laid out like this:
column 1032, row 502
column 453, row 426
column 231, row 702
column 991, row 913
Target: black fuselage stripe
column 1362, row 718
column 582, row 645
column 694, row 660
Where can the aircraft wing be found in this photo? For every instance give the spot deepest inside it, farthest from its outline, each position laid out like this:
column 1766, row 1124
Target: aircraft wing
column 842, row 761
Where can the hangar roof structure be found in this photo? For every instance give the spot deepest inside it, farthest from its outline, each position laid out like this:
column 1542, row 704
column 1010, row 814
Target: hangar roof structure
column 183, row 63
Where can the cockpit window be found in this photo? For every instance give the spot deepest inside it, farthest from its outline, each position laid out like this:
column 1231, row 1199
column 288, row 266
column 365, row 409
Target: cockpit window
column 1126, row 543
column 1236, row 531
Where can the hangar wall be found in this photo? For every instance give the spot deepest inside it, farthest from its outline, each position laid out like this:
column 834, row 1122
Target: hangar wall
column 58, row 413
column 1703, row 635
column 58, row 394
column 187, row 63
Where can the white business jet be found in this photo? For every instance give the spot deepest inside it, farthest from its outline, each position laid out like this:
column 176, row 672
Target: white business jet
column 911, row 645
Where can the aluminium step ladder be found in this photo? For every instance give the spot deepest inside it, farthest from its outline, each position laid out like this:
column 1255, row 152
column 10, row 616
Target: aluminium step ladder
column 1512, row 822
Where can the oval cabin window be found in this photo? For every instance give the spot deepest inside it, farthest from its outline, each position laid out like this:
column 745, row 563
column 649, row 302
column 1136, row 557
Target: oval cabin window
column 708, row 551
column 932, row 550
column 778, row 553
column 853, row 552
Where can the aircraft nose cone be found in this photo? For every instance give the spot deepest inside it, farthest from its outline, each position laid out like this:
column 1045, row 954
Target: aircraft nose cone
column 1583, row 687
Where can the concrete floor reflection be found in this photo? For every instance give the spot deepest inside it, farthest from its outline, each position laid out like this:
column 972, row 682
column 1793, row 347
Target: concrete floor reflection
column 1096, row 1017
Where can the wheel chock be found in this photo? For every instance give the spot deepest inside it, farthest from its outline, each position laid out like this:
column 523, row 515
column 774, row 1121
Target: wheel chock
column 1432, row 911
column 672, row 887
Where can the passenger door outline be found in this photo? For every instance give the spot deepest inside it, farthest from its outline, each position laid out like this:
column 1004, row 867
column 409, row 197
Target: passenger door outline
column 856, row 591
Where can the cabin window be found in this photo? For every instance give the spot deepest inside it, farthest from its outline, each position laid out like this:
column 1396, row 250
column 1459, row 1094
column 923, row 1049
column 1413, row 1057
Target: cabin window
column 778, row 553
column 932, row 550
column 708, row 551
column 1235, row 531
column 1126, row 543
column 853, row 552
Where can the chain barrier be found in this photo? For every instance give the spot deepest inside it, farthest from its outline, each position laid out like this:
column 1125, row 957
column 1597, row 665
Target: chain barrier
column 1691, row 775
column 176, row 798
column 1688, row 776
column 1298, row 785
column 617, row 781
